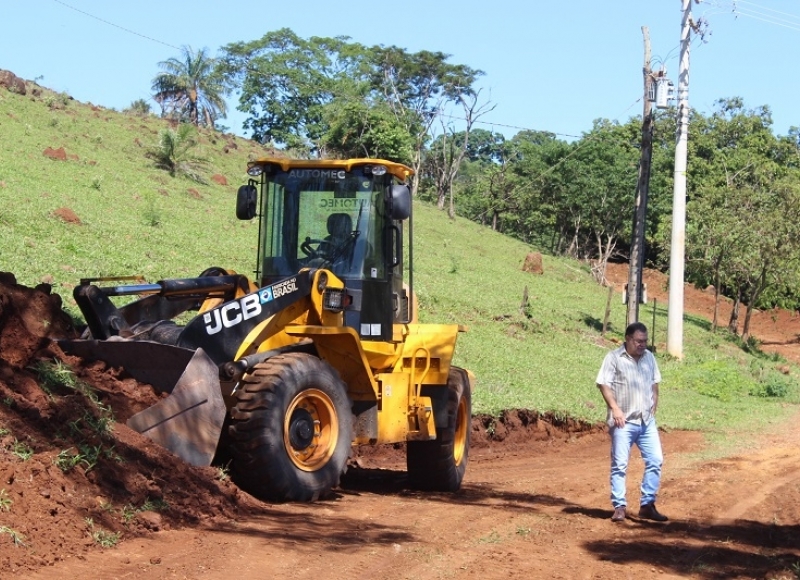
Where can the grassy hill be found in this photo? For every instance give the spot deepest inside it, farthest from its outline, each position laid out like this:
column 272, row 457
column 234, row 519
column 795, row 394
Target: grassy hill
column 107, row 210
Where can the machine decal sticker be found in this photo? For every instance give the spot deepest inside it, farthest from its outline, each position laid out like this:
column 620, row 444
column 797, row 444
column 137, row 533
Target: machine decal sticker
column 343, row 203
column 330, row 173
column 265, row 295
column 232, row 313
column 284, row 288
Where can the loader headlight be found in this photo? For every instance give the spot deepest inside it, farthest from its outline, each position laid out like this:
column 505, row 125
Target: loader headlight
column 333, row 299
column 255, row 170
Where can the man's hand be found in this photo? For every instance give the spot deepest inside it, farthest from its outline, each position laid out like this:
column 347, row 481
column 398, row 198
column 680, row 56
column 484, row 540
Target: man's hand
column 618, row 416
column 616, row 413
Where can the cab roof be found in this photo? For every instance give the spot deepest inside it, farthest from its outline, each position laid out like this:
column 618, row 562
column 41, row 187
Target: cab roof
column 399, row 170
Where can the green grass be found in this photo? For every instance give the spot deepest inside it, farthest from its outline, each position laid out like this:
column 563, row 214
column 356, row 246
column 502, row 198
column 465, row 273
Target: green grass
column 22, row 450
column 106, row 539
column 5, row 501
column 130, row 511
column 549, row 361
column 135, row 218
column 138, row 219
column 56, row 375
column 17, row 538
column 102, row 537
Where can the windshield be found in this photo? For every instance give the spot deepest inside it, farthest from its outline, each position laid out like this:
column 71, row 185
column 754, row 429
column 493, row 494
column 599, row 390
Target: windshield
column 324, row 218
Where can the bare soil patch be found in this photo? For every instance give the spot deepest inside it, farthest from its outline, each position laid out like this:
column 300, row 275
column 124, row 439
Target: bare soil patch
column 535, row 500
column 68, row 215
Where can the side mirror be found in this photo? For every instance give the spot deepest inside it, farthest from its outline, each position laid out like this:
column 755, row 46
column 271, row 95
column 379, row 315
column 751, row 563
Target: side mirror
column 400, row 202
column 246, row 199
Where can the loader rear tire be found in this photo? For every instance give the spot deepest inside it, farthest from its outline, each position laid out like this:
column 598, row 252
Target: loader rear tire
column 440, row 465
column 291, row 429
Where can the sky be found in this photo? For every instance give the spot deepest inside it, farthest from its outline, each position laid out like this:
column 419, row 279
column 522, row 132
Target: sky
column 549, row 66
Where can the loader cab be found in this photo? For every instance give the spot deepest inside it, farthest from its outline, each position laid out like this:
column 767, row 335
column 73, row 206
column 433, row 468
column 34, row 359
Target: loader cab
column 345, row 216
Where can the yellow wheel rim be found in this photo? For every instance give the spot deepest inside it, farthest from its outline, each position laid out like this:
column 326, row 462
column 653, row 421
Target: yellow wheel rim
column 311, row 430
column 462, row 431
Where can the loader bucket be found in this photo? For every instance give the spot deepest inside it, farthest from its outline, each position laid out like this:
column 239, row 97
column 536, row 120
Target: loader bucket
column 189, row 421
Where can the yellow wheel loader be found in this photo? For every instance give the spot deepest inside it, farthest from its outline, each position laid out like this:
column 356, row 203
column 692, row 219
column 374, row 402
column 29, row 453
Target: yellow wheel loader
column 283, row 374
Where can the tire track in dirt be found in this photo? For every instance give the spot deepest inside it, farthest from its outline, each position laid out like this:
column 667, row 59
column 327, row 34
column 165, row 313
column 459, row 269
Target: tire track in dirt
column 758, row 496
column 765, row 472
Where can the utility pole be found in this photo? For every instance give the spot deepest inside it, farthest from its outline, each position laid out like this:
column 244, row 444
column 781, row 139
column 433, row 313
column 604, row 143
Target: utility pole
column 636, row 262
column 678, row 243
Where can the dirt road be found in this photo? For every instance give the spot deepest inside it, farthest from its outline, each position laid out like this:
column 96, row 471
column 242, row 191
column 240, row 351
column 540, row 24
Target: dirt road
column 537, row 509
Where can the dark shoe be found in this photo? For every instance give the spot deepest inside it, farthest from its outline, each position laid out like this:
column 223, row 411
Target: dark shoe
column 619, row 514
column 649, row 512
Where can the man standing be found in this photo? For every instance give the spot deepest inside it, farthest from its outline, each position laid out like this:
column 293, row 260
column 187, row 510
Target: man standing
column 628, row 381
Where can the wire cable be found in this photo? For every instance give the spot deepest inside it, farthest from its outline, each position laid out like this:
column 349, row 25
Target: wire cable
column 758, row 12
column 129, row 31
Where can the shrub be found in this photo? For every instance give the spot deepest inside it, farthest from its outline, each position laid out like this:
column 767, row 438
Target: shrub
column 774, row 385
column 175, row 152
column 139, row 107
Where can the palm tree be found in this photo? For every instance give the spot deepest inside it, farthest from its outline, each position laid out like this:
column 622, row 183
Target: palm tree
column 190, row 89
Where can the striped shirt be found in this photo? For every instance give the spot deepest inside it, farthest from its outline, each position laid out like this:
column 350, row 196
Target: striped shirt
column 631, row 383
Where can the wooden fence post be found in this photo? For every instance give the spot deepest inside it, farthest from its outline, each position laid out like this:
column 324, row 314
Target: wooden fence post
column 608, row 310
column 653, row 328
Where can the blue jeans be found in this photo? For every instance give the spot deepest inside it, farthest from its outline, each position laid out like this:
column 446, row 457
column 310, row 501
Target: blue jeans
column 647, row 440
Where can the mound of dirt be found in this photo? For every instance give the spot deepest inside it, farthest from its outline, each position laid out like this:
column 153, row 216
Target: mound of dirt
column 73, row 477
column 28, row 320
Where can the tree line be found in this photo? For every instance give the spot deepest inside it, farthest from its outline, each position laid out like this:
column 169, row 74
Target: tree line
column 577, row 199
column 332, row 97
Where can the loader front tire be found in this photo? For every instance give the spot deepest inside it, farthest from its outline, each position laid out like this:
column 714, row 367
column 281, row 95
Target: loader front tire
column 291, row 429
column 440, row 465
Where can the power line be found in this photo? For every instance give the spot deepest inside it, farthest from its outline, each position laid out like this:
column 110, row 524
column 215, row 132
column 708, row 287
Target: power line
column 506, row 126
column 758, row 12
column 756, row 16
column 129, row 31
column 765, row 10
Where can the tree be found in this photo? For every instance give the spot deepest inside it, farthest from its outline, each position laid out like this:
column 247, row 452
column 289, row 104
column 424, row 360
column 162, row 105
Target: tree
column 285, row 82
column 586, row 189
column 486, row 146
column 190, row 89
column 139, row 107
column 777, row 245
column 418, row 87
column 357, row 127
column 485, row 180
column 532, row 187
column 445, row 155
column 708, row 242
column 331, row 95
column 743, row 213
column 761, row 245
